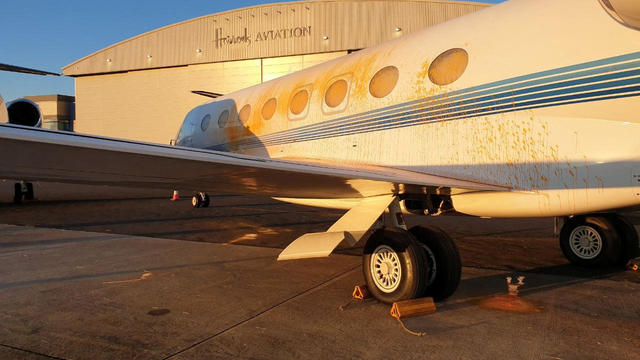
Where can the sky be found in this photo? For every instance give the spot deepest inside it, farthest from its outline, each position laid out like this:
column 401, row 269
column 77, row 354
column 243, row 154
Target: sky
column 48, row 35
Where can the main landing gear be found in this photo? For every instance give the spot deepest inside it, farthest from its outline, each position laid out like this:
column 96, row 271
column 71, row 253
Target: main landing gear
column 200, row 200
column 598, row 240
column 397, row 263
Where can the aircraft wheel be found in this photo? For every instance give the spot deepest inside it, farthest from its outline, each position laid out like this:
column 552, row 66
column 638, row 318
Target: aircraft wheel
column 196, row 201
column 444, row 267
column 590, row 241
column 392, row 265
column 205, row 199
column 17, row 193
column 628, row 238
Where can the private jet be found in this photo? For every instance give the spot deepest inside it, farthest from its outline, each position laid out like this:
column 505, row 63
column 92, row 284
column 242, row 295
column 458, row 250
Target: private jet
column 528, row 108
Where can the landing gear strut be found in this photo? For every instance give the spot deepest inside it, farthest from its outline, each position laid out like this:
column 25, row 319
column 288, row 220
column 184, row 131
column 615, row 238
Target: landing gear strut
column 200, row 200
column 599, row 240
column 22, row 190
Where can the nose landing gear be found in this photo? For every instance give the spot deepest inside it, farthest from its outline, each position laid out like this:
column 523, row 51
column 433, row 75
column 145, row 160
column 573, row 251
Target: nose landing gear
column 200, row 199
column 22, row 190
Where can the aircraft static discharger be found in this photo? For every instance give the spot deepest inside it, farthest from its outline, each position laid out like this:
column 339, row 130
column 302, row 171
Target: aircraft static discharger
column 525, row 109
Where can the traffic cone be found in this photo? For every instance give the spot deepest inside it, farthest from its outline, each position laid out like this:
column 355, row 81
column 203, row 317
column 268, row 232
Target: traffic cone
column 175, row 196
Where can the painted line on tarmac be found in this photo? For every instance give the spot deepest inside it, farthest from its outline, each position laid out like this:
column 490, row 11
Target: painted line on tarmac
column 31, row 352
column 264, row 311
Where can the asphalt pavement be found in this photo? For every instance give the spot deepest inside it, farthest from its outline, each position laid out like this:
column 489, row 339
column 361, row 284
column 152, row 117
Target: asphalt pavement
column 147, row 278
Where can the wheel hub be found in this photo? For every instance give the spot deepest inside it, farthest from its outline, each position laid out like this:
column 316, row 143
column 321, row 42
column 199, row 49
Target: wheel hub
column 385, row 268
column 585, row 242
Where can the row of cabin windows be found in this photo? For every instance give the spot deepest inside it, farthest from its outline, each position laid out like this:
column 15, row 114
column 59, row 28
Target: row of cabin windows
column 444, row 70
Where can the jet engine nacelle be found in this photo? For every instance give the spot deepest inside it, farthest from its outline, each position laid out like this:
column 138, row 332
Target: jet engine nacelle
column 23, row 112
column 625, row 11
column 4, row 117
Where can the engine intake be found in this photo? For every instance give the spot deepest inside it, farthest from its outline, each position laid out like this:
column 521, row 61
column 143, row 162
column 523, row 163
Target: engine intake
column 24, row 112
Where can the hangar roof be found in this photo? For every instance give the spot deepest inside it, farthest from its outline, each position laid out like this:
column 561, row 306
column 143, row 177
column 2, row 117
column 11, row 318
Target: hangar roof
column 271, row 30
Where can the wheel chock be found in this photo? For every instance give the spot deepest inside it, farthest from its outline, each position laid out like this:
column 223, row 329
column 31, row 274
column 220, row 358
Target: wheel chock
column 412, row 308
column 361, row 292
column 634, row 264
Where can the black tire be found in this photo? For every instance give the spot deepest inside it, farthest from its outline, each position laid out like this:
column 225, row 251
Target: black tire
column 444, row 266
column 196, row 201
column 629, row 246
column 607, row 253
column 29, row 194
column 205, row 199
column 410, row 261
column 17, row 193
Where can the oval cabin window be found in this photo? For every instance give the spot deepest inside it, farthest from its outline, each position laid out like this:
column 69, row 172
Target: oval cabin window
column 335, row 93
column 384, row 81
column 204, row 124
column 626, row 12
column 448, row 66
column 244, row 113
column 299, row 102
column 223, row 119
column 269, row 108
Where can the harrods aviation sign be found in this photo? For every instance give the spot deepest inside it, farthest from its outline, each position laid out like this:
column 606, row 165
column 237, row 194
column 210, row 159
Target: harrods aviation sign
column 222, row 40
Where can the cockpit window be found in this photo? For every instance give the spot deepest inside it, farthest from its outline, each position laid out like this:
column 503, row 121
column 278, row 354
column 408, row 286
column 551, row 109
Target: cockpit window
column 244, row 113
column 269, row 108
column 223, row 119
column 204, row 124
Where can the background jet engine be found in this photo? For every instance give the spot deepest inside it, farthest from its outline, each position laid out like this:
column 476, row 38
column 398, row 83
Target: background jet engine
column 21, row 112
column 4, row 117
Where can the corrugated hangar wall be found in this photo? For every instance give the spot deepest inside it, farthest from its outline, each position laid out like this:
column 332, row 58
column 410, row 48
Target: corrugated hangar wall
column 140, row 88
column 150, row 105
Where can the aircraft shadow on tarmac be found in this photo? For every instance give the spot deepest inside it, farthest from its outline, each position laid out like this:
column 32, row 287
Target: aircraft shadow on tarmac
column 537, row 280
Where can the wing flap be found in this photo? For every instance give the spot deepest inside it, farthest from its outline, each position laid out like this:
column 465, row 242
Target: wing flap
column 351, row 227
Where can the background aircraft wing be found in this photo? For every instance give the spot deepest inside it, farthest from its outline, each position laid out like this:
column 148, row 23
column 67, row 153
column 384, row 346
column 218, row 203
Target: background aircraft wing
column 38, row 154
column 20, row 69
column 207, row 93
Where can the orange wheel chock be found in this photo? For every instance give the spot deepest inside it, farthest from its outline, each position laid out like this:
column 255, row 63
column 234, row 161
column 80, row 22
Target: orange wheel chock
column 413, row 307
column 361, row 292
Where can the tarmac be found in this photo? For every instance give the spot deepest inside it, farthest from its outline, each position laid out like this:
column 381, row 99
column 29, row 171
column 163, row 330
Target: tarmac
column 146, row 278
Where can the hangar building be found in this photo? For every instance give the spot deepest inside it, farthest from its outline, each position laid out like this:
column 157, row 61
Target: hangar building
column 141, row 88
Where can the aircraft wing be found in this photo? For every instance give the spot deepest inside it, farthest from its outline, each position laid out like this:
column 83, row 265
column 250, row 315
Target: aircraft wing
column 39, row 154
column 20, row 69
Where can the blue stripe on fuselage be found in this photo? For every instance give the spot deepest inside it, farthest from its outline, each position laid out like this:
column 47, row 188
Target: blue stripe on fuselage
column 490, row 97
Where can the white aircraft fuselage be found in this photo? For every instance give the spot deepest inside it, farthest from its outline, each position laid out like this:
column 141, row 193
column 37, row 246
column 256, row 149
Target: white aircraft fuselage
column 546, row 105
